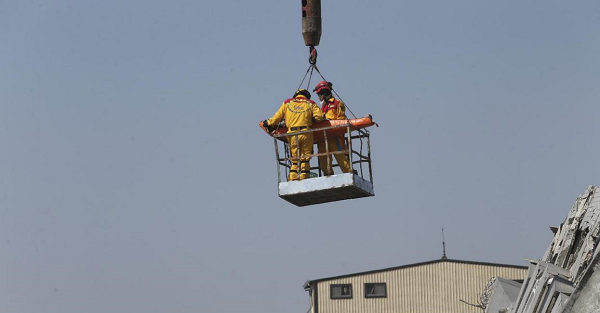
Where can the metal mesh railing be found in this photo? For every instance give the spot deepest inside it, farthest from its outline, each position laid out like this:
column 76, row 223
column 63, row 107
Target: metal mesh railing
column 357, row 148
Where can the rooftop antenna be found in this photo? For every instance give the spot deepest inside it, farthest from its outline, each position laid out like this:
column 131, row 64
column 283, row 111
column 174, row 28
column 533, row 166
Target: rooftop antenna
column 444, row 257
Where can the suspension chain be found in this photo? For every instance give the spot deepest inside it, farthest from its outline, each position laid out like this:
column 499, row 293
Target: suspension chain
column 312, row 60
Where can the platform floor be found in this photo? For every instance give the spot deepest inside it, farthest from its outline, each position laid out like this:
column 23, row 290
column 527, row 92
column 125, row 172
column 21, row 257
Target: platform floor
column 325, row 189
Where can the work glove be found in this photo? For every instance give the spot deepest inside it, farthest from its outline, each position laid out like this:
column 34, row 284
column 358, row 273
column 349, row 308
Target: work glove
column 267, row 127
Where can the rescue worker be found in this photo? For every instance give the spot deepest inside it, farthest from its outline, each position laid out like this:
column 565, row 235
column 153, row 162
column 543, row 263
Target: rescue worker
column 298, row 113
column 333, row 109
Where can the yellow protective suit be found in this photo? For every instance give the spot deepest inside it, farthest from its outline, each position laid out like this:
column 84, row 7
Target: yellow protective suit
column 334, row 110
column 298, row 114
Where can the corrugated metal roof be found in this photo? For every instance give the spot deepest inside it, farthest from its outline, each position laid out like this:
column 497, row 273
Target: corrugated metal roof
column 415, row 264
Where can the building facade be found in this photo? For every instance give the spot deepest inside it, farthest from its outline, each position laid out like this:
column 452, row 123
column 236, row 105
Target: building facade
column 430, row 287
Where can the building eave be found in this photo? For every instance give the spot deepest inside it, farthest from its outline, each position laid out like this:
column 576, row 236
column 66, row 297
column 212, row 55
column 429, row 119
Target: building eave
column 411, row 265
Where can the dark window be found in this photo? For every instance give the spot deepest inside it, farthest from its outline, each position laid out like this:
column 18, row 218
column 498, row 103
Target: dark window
column 341, row 291
column 375, row 290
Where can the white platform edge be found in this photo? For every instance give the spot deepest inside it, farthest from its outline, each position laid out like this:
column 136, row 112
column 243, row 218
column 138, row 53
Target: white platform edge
column 322, row 183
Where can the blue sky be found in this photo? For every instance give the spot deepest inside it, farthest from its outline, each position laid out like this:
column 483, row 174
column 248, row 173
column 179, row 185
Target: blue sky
column 134, row 178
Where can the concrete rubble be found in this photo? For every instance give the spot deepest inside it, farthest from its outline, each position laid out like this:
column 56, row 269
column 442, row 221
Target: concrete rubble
column 567, row 278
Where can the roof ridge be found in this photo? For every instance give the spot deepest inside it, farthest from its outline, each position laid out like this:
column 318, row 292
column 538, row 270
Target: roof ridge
column 416, row 264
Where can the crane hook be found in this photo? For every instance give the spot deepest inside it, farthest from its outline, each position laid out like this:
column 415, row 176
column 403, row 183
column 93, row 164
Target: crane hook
column 313, row 55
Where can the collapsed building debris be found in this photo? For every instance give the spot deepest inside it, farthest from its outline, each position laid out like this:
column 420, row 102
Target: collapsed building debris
column 499, row 294
column 567, row 278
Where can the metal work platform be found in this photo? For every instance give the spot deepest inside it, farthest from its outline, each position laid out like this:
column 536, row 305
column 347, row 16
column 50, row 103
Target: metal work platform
column 325, row 189
column 320, row 188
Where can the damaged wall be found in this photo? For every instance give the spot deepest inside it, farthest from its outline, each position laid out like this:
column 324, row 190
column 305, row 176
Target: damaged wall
column 576, row 239
column 566, row 278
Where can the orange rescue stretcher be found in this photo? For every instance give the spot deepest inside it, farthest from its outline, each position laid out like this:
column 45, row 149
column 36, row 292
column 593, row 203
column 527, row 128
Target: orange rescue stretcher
column 355, row 123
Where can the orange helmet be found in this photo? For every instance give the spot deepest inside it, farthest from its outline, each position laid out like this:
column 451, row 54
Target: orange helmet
column 324, row 85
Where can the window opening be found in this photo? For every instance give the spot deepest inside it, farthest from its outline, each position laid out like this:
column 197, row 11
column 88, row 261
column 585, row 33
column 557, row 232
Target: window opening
column 375, row 290
column 341, row 291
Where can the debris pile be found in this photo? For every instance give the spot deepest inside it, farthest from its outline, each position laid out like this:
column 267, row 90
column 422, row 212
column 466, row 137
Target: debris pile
column 567, row 278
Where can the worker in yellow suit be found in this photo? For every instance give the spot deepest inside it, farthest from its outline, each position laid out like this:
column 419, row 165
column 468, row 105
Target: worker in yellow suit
column 333, row 109
column 298, row 113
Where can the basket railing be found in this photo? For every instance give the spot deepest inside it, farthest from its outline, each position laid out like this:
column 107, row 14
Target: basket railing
column 357, row 140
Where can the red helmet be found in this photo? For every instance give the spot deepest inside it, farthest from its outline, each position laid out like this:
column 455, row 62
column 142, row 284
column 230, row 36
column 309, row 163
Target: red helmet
column 324, row 85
